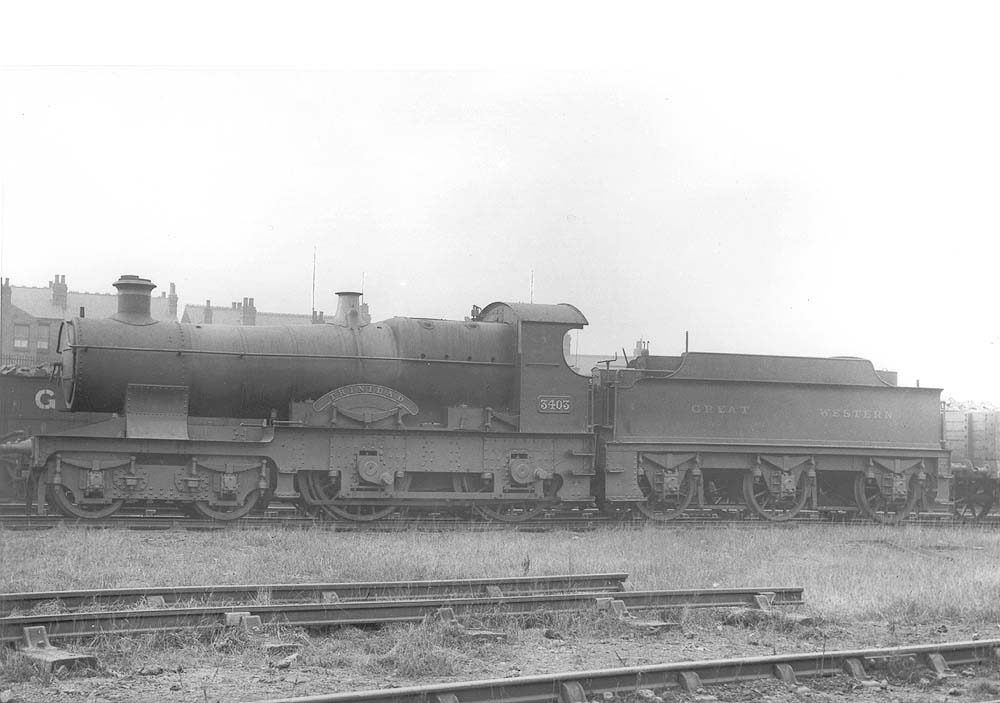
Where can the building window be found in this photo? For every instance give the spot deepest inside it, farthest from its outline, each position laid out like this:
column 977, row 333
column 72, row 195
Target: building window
column 21, row 336
column 43, row 337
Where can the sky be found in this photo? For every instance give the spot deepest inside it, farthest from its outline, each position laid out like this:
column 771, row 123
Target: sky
column 807, row 179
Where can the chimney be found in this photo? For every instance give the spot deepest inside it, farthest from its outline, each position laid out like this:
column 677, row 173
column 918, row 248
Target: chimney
column 59, row 291
column 133, row 300
column 5, row 292
column 207, row 317
column 172, row 302
column 249, row 316
column 351, row 312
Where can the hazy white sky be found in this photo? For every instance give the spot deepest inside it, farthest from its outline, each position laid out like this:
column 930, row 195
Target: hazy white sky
column 789, row 178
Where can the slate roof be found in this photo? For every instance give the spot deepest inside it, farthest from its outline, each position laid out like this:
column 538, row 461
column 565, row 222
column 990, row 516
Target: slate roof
column 221, row 315
column 37, row 302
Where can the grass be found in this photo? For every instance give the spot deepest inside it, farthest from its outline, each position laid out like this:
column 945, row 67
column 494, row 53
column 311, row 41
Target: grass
column 868, row 585
column 848, row 572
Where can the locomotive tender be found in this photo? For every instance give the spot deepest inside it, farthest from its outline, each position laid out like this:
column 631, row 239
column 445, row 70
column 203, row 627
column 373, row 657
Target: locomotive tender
column 359, row 419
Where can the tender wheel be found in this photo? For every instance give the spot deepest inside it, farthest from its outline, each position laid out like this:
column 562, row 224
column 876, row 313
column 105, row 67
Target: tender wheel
column 873, row 504
column 66, row 502
column 669, row 507
column 322, row 487
column 514, row 511
column 203, row 509
column 768, row 506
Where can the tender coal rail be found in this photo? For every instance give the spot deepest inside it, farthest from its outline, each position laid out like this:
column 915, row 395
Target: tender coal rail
column 81, row 624
column 327, row 592
column 579, row 686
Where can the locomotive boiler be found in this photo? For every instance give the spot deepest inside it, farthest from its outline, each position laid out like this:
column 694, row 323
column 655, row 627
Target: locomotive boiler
column 356, row 419
column 236, row 371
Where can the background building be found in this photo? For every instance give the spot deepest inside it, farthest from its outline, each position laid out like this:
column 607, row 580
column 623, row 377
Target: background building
column 242, row 313
column 30, row 317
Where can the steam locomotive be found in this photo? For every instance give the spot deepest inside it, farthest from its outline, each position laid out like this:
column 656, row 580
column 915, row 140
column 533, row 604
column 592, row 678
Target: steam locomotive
column 356, row 420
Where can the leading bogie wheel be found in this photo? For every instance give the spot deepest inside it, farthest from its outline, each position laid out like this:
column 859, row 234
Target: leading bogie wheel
column 67, row 503
column 205, row 509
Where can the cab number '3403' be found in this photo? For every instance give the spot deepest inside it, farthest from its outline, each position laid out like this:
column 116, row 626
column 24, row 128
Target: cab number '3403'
column 555, row 404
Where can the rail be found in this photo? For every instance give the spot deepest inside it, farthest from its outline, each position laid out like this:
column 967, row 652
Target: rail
column 371, row 590
column 15, row 522
column 577, row 686
column 82, row 624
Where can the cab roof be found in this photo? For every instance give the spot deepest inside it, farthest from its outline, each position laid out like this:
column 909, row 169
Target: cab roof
column 561, row 313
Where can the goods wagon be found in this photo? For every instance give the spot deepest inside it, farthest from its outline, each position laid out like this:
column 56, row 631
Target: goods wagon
column 973, row 436
column 31, row 402
column 358, row 419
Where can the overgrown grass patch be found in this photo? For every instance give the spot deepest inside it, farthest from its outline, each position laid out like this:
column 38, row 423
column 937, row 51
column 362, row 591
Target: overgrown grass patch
column 850, row 573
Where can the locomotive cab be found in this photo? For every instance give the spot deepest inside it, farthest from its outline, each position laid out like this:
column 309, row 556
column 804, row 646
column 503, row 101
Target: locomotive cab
column 551, row 397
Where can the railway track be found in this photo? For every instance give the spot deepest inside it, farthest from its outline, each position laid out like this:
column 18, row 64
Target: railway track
column 688, row 676
column 327, row 592
column 368, row 612
column 577, row 524
column 13, row 517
